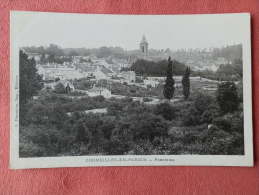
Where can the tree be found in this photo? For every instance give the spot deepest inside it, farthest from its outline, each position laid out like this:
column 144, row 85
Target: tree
column 201, row 110
column 159, row 68
column 83, row 136
column 169, row 83
column 82, row 133
column 202, row 101
column 52, row 58
column 121, row 139
column 227, row 97
column 30, row 80
column 54, row 50
column 73, row 53
column 43, row 59
column 186, row 83
column 147, row 126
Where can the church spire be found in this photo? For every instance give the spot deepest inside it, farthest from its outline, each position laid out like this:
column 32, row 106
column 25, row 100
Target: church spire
column 144, row 40
column 144, row 45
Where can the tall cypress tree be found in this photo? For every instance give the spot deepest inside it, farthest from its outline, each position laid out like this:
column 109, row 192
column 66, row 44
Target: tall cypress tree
column 169, row 83
column 186, row 83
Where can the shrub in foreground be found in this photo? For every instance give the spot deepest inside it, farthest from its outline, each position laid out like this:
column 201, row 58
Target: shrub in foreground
column 165, row 110
column 227, row 97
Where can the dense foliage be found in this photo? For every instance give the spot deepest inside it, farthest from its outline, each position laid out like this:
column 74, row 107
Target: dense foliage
column 151, row 68
column 167, row 111
column 55, row 50
column 128, row 127
column 225, row 72
column 61, row 124
column 227, row 97
column 231, row 52
column 30, row 81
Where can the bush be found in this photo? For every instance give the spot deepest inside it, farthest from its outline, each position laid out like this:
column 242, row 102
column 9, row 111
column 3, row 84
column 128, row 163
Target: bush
column 189, row 135
column 220, row 142
column 29, row 149
column 57, row 115
column 165, row 110
column 230, row 122
column 107, row 127
column 211, row 113
column 49, row 97
column 94, row 124
column 117, row 146
column 237, row 122
column 82, row 133
column 222, row 123
column 202, row 110
column 42, row 140
column 136, row 108
column 227, row 97
column 115, row 108
column 38, row 114
column 121, row 139
column 192, row 116
column 148, row 126
column 161, row 147
column 240, row 91
column 202, row 102
column 145, row 147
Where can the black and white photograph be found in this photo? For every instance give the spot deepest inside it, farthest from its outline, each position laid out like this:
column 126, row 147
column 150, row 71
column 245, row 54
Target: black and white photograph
column 129, row 90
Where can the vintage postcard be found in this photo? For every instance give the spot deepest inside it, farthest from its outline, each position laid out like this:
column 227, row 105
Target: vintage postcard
column 130, row 90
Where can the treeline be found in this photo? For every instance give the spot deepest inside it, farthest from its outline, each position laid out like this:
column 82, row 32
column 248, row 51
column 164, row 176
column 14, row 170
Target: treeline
column 231, row 53
column 102, row 52
column 225, row 72
column 151, row 68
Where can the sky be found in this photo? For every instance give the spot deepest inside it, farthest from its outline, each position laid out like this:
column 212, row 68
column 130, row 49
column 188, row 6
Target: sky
column 161, row 31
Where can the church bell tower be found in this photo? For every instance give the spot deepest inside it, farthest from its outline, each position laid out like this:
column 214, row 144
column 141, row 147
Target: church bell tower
column 144, row 46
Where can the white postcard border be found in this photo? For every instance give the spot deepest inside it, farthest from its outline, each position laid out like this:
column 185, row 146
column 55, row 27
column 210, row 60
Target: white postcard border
column 128, row 160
